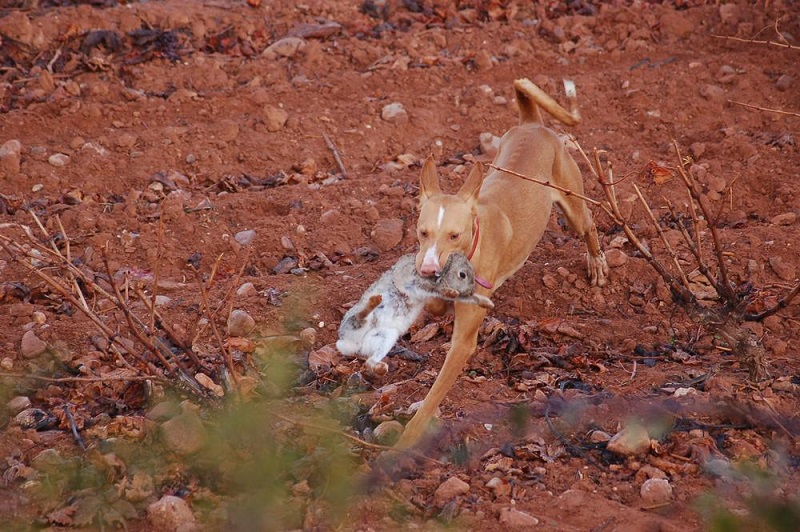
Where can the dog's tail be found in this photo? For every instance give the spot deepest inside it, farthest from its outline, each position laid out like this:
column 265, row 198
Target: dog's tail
column 530, row 98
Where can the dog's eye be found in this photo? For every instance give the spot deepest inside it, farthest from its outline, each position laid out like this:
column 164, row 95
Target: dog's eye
column 454, row 237
column 423, row 234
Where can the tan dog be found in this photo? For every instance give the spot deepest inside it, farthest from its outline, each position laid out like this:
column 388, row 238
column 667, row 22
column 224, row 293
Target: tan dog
column 496, row 221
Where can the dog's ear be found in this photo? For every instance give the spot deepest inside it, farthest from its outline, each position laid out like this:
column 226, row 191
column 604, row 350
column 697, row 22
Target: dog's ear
column 472, row 186
column 428, row 180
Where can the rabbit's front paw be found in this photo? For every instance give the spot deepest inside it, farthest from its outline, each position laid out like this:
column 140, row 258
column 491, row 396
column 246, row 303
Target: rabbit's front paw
column 377, row 368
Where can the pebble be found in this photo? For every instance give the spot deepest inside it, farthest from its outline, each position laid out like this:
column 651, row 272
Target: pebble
column 245, row 237
column 631, row 440
column 782, row 269
column 286, row 47
column 784, row 83
column 787, row 218
column 656, row 491
column 388, row 432
column 599, row 436
column 170, row 513
column 616, row 257
column 163, row 411
column 48, row 461
column 275, row 118
column 35, row 418
column 489, row 144
column 394, row 113
column 126, row 140
column 285, row 265
column 712, row 92
column 514, row 518
column 483, row 60
column 206, row 382
column 184, row 434
column 10, row 157
column 240, row 323
column 308, row 337
column 246, row 290
column 387, row 233
column 18, row 404
column 499, row 487
column 32, row 346
column 448, row 490
column 58, row 159
column 729, row 13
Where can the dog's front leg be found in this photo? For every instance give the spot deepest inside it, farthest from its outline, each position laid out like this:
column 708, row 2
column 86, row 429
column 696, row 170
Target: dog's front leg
column 468, row 320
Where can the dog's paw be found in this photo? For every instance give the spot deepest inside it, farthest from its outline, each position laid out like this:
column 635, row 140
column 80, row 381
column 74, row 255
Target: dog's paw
column 598, row 269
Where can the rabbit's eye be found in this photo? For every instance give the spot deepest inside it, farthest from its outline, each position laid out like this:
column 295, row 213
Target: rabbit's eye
column 463, row 275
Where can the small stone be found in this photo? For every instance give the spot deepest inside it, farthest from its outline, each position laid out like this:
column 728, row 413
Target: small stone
column 656, row 491
column 599, row 436
column 729, row 13
column 631, row 440
column 163, row 411
column 245, row 237
column 184, row 434
column 308, row 337
column 32, row 346
column 787, row 218
column 489, row 144
column 206, row 382
column 275, row 118
column 126, row 141
column 784, row 83
column 10, row 157
column 48, row 461
column 395, row 113
column 139, row 487
column 36, row 419
column 18, row 404
column 387, row 233
column 7, row 363
column 287, row 244
column 248, row 289
column 388, row 432
column 58, row 159
column 240, row 323
column 712, row 92
column 500, row 487
column 228, row 130
column 170, row 513
column 514, row 518
column 483, row 60
column 782, row 269
column 615, row 257
column 286, row 47
column 448, row 490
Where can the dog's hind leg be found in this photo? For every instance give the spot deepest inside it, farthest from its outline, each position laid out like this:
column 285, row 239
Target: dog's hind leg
column 567, row 175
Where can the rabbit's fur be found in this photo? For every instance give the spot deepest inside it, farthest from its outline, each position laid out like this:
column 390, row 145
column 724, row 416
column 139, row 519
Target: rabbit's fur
column 394, row 302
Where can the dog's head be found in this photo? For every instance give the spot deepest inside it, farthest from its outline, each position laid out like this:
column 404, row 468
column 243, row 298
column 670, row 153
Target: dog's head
column 447, row 222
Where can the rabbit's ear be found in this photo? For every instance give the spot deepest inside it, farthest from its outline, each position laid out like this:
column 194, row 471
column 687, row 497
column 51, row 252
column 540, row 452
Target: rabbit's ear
column 472, row 186
column 428, row 180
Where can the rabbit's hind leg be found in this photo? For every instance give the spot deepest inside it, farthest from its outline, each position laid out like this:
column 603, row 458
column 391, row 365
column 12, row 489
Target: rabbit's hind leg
column 378, row 344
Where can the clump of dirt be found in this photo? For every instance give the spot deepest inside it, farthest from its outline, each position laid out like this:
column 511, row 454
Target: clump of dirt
column 192, row 194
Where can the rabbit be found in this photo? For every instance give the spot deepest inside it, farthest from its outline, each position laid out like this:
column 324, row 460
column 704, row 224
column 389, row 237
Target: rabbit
column 393, row 303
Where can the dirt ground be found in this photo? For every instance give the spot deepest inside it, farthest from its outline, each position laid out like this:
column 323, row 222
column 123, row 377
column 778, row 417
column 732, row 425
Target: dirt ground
column 156, row 135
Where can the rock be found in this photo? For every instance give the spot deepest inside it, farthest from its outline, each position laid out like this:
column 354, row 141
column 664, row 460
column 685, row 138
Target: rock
column 514, row 518
column 631, row 440
column 48, row 461
column 16, row 25
column 616, row 257
column 787, row 218
column 286, row 47
column 58, row 159
column 245, row 237
column 10, row 157
column 782, row 269
column 163, row 411
column 18, row 404
column 387, row 233
column 138, row 487
column 599, row 436
column 489, row 144
column 126, row 141
column 500, row 487
column 394, row 113
column 729, row 13
column 206, row 382
column 308, row 337
column 483, row 60
column 656, row 491
column 712, row 92
column 448, row 490
column 275, row 118
column 240, row 323
column 248, row 289
column 32, row 346
column 228, row 130
column 36, row 419
column 784, row 83
column 388, row 432
column 184, row 434
column 170, row 513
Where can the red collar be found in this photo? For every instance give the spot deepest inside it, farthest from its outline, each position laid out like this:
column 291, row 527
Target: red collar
column 475, row 238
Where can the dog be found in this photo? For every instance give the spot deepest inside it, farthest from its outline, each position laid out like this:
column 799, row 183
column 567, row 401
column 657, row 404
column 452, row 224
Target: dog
column 496, row 219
